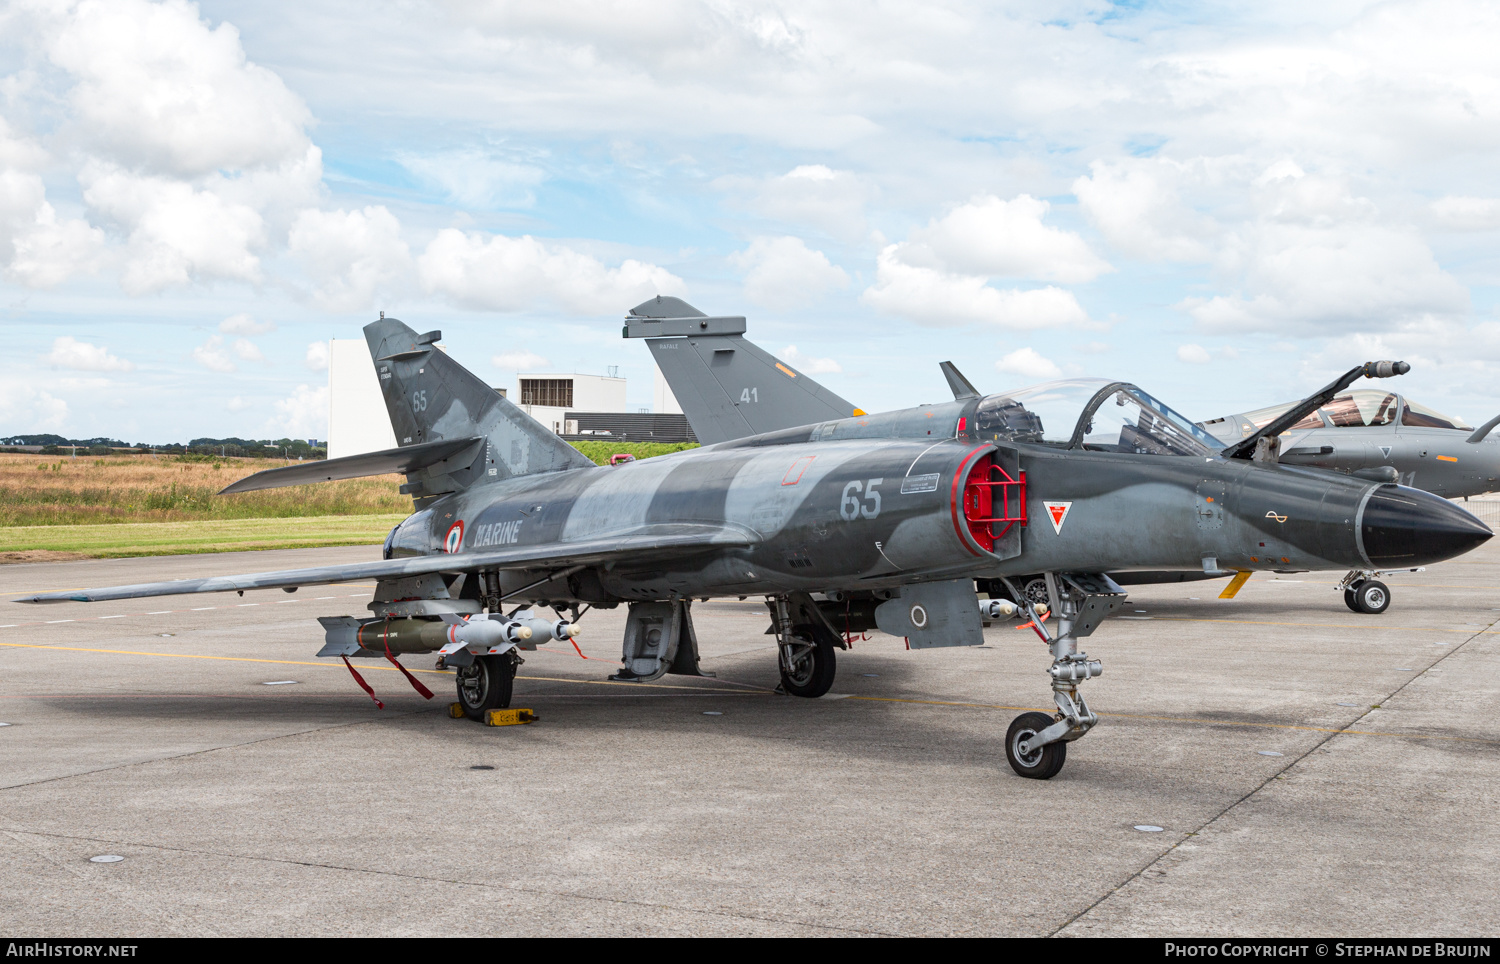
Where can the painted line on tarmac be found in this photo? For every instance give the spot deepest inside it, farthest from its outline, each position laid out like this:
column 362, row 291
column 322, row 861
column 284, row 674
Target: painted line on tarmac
column 1185, row 719
column 388, row 669
column 338, row 585
column 164, row 612
column 1267, row 622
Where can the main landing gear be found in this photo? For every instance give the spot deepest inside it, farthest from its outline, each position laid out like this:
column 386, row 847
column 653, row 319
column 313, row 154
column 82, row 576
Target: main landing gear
column 804, row 643
column 807, row 666
column 1037, row 744
column 486, row 683
column 1363, row 593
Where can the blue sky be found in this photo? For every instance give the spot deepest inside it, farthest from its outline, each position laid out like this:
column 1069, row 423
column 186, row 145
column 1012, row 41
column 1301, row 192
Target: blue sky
column 1225, row 203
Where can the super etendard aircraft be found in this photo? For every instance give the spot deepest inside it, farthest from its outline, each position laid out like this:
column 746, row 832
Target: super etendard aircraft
column 858, row 522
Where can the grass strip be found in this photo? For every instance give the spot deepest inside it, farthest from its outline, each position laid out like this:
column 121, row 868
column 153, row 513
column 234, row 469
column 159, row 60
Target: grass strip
column 120, row 540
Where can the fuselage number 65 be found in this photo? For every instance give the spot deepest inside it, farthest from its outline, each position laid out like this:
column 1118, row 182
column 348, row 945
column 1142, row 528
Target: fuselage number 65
column 850, row 506
column 419, row 401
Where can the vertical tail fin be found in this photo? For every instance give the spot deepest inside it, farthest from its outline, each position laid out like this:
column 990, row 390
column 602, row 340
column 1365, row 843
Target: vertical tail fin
column 727, row 386
column 429, row 396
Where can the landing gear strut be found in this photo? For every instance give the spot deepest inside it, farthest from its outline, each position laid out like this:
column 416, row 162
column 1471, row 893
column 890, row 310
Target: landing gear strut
column 804, row 645
column 486, row 683
column 1363, row 593
column 1036, row 744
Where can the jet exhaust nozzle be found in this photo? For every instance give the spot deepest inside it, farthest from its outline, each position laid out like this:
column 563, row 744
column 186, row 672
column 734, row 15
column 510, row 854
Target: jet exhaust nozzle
column 1401, row 526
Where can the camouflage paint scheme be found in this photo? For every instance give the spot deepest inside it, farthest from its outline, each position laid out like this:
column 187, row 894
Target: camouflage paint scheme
column 883, row 516
column 769, row 513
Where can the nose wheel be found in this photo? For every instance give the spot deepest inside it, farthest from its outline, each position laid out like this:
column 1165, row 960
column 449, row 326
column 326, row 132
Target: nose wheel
column 1364, row 593
column 1036, row 744
column 1369, row 596
column 1028, row 760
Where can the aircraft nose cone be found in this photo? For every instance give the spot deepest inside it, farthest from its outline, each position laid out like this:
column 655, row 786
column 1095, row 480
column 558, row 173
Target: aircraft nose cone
column 1408, row 527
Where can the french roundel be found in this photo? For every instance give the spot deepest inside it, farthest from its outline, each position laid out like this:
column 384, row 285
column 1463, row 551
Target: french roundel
column 454, row 540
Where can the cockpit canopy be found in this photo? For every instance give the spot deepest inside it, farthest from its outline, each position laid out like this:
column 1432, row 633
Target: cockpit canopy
column 1357, row 409
column 1093, row 414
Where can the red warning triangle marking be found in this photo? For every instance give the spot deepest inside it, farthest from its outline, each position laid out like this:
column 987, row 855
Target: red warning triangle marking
column 1058, row 511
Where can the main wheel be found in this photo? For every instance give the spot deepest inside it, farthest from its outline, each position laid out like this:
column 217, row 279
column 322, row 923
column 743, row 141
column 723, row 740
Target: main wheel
column 1372, row 597
column 1350, row 599
column 1036, row 591
column 807, row 668
column 486, row 684
column 1041, row 763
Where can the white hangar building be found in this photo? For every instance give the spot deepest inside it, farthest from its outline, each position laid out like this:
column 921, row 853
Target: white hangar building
column 357, row 419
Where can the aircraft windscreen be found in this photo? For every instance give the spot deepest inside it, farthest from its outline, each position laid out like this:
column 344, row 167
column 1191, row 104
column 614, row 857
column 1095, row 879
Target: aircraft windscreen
column 1358, row 409
column 1421, row 416
column 1125, row 420
column 1262, row 417
column 1129, row 420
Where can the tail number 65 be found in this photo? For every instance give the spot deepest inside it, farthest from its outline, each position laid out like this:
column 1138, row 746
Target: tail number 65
column 850, row 506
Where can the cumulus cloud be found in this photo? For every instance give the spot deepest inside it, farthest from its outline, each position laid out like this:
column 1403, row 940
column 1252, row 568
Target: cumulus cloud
column 1028, row 363
column 475, row 179
column 317, row 356
column 354, row 255
column 990, row 237
column 1317, row 257
column 182, row 147
column 246, row 350
column 1137, row 204
column 941, row 274
column 26, row 409
column 1193, row 354
column 812, row 194
column 37, row 248
column 303, row 414
column 932, row 297
column 69, row 352
column 1467, row 213
column 177, row 233
column 44, row 250
column 784, row 272
column 159, row 90
column 238, row 404
column 519, row 360
column 809, row 364
column 243, row 324
column 501, row 273
column 213, row 356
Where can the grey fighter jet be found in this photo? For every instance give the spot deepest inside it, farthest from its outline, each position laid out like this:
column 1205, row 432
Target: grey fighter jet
column 1384, row 437
column 857, row 522
column 731, row 388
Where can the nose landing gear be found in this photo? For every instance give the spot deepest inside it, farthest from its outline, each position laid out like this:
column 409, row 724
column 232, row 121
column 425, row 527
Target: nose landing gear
column 1363, row 593
column 1036, row 744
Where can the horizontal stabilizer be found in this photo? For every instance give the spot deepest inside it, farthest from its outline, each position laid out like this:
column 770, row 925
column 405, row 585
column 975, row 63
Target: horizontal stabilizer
column 386, row 462
column 662, row 540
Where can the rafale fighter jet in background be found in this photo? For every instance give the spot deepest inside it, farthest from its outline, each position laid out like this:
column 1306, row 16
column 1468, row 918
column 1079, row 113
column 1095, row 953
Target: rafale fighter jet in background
column 1384, row 437
column 730, row 388
column 858, row 522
